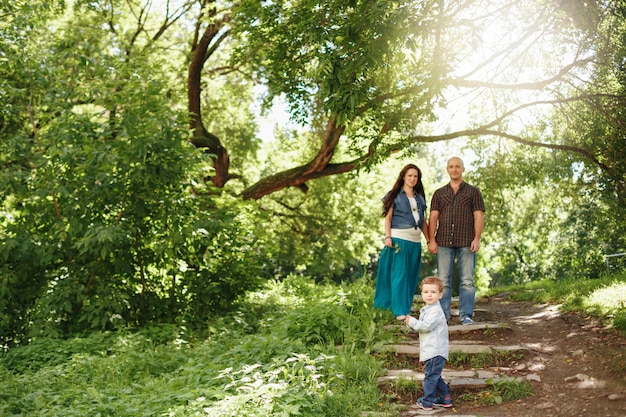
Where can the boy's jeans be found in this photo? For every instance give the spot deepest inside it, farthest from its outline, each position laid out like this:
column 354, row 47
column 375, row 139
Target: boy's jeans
column 434, row 385
column 445, row 269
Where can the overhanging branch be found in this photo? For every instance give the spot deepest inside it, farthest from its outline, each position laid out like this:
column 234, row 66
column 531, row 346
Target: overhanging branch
column 295, row 177
column 537, row 85
column 485, row 131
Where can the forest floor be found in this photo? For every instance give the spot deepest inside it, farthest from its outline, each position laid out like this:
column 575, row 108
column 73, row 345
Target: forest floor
column 575, row 365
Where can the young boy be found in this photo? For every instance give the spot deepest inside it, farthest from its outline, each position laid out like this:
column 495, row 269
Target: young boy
column 433, row 329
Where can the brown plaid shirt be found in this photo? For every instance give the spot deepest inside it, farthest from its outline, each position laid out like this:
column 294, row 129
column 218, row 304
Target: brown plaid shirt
column 456, row 214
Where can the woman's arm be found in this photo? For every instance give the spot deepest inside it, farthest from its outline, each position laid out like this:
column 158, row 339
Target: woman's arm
column 388, row 241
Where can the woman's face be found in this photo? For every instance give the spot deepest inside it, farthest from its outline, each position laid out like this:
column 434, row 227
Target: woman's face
column 411, row 177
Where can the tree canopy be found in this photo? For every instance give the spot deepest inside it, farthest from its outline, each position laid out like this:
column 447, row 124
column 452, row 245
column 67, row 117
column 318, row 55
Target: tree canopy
column 137, row 186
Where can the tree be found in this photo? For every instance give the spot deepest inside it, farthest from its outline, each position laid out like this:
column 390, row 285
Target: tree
column 101, row 224
column 553, row 213
column 110, row 213
column 545, row 222
column 373, row 74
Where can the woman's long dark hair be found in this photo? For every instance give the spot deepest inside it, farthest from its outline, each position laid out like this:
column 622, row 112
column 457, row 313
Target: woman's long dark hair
column 391, row 195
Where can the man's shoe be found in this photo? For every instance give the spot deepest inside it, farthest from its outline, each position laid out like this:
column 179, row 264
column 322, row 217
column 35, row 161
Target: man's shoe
column 443, row 402
column 421, row 405
column 465, row 321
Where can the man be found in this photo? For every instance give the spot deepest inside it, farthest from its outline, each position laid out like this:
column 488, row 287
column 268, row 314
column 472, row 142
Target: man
column 456, row 223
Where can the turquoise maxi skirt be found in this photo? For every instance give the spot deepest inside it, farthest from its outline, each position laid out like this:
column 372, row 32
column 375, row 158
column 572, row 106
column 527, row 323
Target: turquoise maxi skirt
column 398, row 275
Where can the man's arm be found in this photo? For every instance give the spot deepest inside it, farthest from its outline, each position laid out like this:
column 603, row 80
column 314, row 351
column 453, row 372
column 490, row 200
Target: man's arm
column 433, row 222
column 479, row 222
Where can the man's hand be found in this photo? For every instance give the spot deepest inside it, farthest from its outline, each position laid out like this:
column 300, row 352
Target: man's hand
column 433, row 247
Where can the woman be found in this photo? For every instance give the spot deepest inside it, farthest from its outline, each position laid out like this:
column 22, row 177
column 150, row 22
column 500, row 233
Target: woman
column 399, row 264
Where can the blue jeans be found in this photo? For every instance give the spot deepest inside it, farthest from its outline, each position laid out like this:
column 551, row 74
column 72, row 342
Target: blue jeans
column 445, row 269
column 434, row 385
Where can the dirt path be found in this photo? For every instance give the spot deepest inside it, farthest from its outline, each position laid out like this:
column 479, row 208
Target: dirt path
column 577, row 367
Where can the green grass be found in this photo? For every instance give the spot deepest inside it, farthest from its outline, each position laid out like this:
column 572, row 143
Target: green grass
column 604, row 298
column 293, row 349
column 483, row 360
column 278, row 355
column 499, row 391
column 404, row 386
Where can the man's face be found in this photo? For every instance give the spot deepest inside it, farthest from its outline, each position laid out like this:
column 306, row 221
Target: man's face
column 455, row 169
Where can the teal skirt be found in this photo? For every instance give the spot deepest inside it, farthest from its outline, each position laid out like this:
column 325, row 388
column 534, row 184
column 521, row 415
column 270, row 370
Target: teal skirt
column 397, row 277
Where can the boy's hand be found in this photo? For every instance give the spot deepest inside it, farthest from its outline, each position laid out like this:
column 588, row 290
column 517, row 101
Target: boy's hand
column 411, row 322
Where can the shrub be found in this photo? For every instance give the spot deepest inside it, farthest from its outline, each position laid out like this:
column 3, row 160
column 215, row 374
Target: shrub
column 507, row 390
column 619, row 321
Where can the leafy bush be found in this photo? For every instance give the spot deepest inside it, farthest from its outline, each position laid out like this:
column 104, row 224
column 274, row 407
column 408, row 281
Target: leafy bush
column 619, row 321
column 258, row 361
column 52, row 352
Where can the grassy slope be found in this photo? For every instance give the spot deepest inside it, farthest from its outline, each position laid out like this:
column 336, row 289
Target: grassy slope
column 604, row 298
column 277, row 356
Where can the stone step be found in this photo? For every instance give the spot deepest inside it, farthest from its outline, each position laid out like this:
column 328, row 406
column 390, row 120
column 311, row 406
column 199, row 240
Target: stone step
column 473, row 379
column 459, row 328
column 483, row 325
column 454, row 312
column 412, row 349
column 461, row 342
column 440, row 412
column 415, row 411
column 454, row 301
column 448, row 374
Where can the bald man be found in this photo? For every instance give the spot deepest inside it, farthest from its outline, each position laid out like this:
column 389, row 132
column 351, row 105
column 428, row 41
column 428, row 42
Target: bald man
column 456, row 223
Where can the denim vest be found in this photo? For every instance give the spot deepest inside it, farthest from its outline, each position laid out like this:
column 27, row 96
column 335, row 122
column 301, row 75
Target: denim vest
column 402, row 217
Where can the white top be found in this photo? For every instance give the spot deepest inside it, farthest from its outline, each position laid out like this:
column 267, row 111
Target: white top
column 412, row 235
column 433, row 328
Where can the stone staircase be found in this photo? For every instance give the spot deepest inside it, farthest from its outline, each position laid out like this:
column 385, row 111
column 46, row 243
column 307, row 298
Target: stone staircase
column 460, row 342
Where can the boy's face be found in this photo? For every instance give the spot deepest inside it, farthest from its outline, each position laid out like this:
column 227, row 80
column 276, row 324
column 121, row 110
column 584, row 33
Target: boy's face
column 431, row 293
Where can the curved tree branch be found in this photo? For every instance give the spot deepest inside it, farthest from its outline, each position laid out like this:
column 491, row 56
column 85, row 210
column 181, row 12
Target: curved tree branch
column 201, row 137
column 537, row 85
column 486, row 131
column 297, row 177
